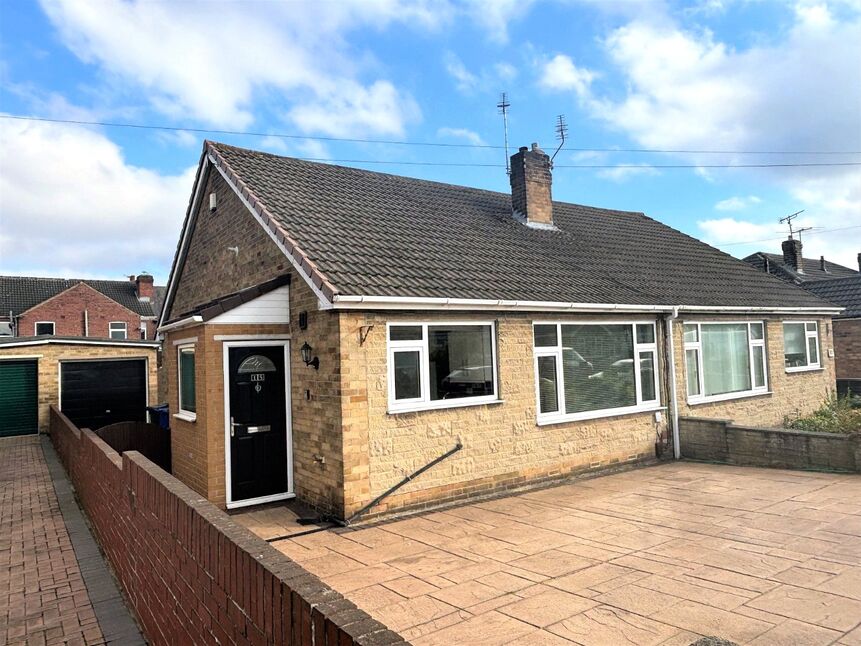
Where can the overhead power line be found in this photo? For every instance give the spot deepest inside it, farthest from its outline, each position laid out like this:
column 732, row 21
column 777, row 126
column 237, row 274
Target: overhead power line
column 811, row 233
column 431, row 144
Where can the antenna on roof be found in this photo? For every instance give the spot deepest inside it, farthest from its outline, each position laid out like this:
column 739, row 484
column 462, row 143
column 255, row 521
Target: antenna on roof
column 503, row 106
column 561, row 131
column 788, row 221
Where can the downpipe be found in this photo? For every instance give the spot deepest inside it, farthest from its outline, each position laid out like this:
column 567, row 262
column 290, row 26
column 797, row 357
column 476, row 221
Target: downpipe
column 672, row 389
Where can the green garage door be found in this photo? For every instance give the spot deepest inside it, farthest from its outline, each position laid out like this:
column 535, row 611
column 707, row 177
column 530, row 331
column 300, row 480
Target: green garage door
column 19, row 412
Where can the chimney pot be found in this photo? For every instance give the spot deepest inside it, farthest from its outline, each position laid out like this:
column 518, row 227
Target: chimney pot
column 535, row 146
column 822, row 263
column 531, row 181
column 792, row 254
column 859, row 262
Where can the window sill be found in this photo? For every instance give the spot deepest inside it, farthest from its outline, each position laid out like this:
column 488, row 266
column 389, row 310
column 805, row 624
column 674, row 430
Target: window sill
column 426, row 407
column 616, row 412
column 804, row 369
column 186, row 417
column 727, row 397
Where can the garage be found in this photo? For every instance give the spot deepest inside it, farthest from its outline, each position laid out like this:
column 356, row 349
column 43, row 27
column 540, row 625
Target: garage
column 95, row 382
column 94, row 393
column 19, row 400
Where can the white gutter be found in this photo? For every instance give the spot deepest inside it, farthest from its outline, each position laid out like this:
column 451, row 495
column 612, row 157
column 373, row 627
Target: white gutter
column 191, row 320
column 347, row 302
column 673, row 386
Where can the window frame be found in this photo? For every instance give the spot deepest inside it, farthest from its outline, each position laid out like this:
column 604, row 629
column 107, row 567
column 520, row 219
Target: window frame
column 125, row 330
column 560, row 416
column 807, row 336
column 424, row 402
column 53, row 325
column 754, row 390
column 184, row 414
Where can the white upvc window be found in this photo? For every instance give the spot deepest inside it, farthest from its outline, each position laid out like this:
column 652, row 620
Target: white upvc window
column 801, row 346
column 117, row 330
column 724, row 360
column 594, row 369
column 441, row 365
column 44, row 327
column 185, row 370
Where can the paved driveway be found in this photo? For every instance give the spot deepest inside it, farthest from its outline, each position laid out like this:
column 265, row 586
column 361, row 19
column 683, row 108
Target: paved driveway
column 653, row 556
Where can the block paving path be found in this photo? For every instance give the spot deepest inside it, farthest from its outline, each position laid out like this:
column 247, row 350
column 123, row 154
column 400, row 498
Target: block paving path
column 54, row 587
column 658, row 555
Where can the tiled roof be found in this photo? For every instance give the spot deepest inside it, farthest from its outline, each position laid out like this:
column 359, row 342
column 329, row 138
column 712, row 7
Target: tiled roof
column 812, row 268
column 375, row 234
column 20, row 293
column 845, row 292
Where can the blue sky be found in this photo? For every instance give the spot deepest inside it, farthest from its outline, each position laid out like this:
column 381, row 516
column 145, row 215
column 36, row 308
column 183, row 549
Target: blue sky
column 713, row 75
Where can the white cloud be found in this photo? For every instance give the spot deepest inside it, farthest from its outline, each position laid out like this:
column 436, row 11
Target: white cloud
column 214, row 65
column 560, row 73
column 465, row 80
column 505, row 71
column 797, row 89
column 624, row 173
column 461, row 133
column 495, row 15
column 737, row 203
column 71, row 204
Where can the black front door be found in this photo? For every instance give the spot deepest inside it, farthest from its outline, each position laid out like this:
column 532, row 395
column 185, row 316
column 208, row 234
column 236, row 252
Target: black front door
column 258, row 422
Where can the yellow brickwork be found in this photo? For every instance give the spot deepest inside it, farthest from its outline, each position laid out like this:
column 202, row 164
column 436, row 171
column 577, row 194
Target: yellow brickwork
column 49, row 355
column 791, row 393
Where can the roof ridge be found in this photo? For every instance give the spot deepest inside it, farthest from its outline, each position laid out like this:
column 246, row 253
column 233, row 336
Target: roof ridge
column 462, row 187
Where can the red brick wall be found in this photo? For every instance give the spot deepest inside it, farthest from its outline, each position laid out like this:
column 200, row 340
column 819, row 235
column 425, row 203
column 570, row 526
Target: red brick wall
column 66, row 310
column 847, row 348
column 191, row 574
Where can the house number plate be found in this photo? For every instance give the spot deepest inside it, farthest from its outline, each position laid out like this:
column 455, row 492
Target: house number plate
column 258, row 376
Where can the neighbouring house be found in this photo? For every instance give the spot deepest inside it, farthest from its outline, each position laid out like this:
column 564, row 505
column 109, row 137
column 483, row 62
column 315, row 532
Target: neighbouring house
column 105, row 309
column 846, row 293
column 794, row 268
column 95, row 382
column 329, row 331
column 86, row 345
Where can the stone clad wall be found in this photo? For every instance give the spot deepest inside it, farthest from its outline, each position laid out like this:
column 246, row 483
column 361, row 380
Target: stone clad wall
column 791, row 393
column 503, row 447
column 721, row 441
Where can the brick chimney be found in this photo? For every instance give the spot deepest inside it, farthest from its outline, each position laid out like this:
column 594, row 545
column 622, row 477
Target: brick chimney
column 792, row 254
column 530, row 186
column 144, row 287
column 859, row 262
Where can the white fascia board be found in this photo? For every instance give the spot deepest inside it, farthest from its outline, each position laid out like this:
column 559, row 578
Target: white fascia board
column 348, row 302
column 186, row 322
column 191, row 215
column 324, row 302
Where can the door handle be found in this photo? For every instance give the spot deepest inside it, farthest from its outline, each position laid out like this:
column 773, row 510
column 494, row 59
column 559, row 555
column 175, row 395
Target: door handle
column 233, row 425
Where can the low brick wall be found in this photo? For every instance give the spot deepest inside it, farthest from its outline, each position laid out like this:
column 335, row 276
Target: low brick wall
column 190, row 573
column 718, row 440
column 150, row 440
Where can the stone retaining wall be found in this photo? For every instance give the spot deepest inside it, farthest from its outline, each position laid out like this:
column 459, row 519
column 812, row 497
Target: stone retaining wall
column 718, row 440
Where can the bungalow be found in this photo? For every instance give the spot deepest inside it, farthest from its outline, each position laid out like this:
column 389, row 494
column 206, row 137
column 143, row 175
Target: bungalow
column 329, row 331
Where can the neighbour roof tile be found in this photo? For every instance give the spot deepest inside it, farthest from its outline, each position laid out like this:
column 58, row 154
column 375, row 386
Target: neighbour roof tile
column 845, row 292
column 20, row 293
column 812, row 268
column 377, row 234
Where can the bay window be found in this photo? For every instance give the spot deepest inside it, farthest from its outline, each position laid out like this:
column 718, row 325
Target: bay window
column 724, row 360
column 586, row 370
column 801, row 345
column 441, row 365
